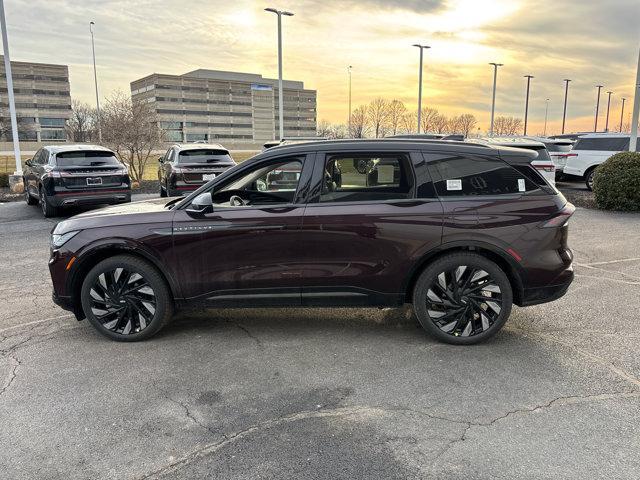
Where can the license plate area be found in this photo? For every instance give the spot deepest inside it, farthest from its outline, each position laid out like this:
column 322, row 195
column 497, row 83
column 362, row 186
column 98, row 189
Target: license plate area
column 94, row 181
column 208, row 176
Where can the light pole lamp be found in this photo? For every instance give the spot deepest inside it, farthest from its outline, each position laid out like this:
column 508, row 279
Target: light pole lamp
column 606, row 124
column 595, row 126
column 526, row 103
column 566, row 95
column 349, row 119
column 95, row 80
column 493, row 100
column 422, row 48
column 280, row 13
column 622, row 113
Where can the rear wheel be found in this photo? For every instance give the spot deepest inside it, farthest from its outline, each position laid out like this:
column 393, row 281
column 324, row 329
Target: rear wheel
column 163, row 192
column 588, row 178
column 126, row 299
column 462, row 298
column 48, row 210
column 27, row 196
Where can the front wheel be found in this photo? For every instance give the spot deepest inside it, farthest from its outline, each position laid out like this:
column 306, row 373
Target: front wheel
column 163, row 192
column 126, row 299
column 588, row 179
column 27, row 196
column 462, row 298
column 48, row 210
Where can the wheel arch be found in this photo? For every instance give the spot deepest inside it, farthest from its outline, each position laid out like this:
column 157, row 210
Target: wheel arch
column 491, row 252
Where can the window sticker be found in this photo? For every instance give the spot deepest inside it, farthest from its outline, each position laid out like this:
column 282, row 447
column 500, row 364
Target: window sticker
column 385, row 173
column 454, row 184
column 521, row 185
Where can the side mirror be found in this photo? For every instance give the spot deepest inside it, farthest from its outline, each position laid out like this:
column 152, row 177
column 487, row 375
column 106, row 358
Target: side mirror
column 201, row 205
column 161, row 159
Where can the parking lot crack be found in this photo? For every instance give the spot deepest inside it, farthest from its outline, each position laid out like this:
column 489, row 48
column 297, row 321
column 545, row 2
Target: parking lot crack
column 193, row 418
column 249, row 334
column 13, row 372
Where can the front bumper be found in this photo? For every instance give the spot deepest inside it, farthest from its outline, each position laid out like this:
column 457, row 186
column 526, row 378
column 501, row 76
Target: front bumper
column 67, row 303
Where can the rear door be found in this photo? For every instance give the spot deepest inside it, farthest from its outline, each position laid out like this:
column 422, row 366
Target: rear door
column 365, row 226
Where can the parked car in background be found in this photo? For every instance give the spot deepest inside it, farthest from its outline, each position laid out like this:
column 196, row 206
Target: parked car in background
column 542, row 163
column 460, row 230
column 186, row 167
column 558, row 149
column 591, row 150
column 62, row 176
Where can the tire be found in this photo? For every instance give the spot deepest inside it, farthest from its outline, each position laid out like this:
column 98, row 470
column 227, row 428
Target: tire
column 48, row 210
column 163, row 192
column 27, row 196
column 136, row 306
column 465, row 318
column 588, row 178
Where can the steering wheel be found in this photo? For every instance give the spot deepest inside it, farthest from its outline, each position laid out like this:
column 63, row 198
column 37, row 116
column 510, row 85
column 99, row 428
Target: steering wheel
column 237, row 201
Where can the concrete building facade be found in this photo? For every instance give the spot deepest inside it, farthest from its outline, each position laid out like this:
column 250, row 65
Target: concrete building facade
column 43, row 101
column 236, row 109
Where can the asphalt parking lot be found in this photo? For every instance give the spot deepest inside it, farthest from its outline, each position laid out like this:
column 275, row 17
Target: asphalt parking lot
column 324, row 394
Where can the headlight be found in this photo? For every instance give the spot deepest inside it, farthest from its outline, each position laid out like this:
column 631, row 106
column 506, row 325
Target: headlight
column 58, row 240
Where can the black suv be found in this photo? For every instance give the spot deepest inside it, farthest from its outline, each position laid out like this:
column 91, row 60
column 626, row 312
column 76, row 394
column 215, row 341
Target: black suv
column 74, row 175
column 185, row 168
column 462, row 231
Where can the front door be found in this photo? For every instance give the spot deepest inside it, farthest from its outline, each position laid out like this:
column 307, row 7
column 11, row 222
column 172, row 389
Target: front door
column 245, row 252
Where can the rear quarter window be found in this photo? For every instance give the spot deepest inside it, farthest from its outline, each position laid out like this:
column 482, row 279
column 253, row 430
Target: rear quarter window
column 605, row 144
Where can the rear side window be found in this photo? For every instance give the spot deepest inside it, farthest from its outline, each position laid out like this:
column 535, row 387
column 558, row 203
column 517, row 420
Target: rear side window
column 207, row 155
column 461, row 175
column 86, row 158
column 366, row 177
column 559, row 147
column 604, row 144
column 543, row 153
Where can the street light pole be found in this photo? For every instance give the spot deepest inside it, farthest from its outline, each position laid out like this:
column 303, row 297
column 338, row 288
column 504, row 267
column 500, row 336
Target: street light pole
column 349, row 121
column 622, row 113
column 95, row 79
column 595, row 127
column 606, row 124
column 493, row 100
column 566, row 94
column 526, row 103
column 280, row 13
column 12, row 102
column 421, row 47
column 636, row 110
column 546, row 111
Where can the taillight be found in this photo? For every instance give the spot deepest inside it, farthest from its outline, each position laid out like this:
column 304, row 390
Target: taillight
column 545, row 167
column 559, row 219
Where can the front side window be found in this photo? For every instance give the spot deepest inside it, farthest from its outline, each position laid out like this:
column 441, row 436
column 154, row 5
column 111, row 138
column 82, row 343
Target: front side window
column 460, row 175
column 266, row 184
column 365, row 178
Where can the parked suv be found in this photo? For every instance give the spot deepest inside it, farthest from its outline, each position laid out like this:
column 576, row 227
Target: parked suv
column 591, row 150
column 184, row 168
column 71, row 175
column 462, row 231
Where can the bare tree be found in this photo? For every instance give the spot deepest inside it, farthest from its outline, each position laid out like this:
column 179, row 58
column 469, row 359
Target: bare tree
column 397, row 110
column 81, row 127
column 428, row 119
column 440, row 123
column 462, row 124
column 408, row 122
column 324, row 128
column 327, row 129
column 359, row 122
column 506, row 125
column 378, row 114
column 131, row 130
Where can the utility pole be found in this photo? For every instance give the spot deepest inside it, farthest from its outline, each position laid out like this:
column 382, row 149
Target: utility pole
column 636, row 110
column 421, row 47
column 622, row 113
column 566, row 94
column 17, row 175
column 606, row 125
column 526, row 103
column 280, row 13
column 95, row 79
column 349, row 120
column 546, row 111
column 493, row 100
column 595, row 127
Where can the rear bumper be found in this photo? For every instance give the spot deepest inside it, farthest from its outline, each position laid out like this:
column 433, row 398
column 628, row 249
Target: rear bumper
column 549, row 293
column 71, row 198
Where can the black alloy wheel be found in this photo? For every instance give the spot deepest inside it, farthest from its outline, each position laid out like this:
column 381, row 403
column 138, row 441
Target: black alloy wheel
column 463, row 298
column 126, row 299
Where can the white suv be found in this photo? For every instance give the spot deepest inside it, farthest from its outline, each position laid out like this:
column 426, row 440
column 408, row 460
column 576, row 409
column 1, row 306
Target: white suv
column 590, row 151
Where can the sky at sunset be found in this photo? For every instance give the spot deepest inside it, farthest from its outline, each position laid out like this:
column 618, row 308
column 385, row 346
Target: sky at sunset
column 591, row 42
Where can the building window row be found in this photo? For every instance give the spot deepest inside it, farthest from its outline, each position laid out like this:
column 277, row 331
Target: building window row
column 204, row 112
column 38, row 106
column 33, row 91
column 44, row 78
column 224, row 91
column 210, row 102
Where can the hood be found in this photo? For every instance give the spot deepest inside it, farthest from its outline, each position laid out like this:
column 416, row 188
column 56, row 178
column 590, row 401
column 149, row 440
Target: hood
column 145, row 211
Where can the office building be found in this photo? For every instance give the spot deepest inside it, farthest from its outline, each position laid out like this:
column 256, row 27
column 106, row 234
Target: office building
column 236, row 109
column 43, row 101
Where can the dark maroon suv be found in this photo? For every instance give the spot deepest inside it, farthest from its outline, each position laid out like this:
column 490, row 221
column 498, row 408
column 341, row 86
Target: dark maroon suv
column 461, row 231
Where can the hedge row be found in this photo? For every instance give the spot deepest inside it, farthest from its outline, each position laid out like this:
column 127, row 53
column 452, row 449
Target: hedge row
column 616, row 183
